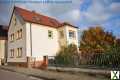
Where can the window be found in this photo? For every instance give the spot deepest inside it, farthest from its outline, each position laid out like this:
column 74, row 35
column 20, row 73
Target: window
column 19, row 34
column 12, row 37
column 50, row 34
column 61, row 34
column 12, row 53
column 71, row 34
column 19, row 52
column 15, row 21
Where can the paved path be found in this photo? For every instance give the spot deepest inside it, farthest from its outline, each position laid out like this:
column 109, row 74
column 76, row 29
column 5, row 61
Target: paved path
column 52, row 75
column 78, row 70
column 7, row 75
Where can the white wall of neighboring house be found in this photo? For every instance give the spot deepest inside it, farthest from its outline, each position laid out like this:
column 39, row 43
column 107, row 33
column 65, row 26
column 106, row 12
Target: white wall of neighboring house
column 2, row 49
column 16, row 43
column 42, row 45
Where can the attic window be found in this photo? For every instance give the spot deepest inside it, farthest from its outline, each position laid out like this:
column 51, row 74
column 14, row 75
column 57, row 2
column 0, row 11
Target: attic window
column 36, row 18
column 53, row 22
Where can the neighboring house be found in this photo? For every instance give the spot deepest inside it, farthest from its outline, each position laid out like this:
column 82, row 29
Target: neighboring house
column 33, row 36
column 3, row 44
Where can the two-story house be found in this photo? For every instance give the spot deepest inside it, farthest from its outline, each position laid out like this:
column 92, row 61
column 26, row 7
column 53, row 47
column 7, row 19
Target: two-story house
column 33, row 36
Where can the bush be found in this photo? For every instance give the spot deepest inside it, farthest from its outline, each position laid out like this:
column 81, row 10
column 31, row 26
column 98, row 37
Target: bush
column 65, row 55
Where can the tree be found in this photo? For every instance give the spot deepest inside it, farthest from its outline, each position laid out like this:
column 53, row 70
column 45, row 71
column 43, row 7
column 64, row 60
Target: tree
column 100, row 48
column 95, row 38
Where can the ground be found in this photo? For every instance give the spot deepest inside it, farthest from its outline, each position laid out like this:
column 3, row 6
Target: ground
column 7, row 75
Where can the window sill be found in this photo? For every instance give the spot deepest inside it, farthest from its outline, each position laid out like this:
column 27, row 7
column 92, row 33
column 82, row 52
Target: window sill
column 19, row 57
column 18, row 38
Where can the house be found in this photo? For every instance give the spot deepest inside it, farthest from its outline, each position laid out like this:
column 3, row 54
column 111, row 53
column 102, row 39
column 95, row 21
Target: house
column 32, row 37
column 3, row 44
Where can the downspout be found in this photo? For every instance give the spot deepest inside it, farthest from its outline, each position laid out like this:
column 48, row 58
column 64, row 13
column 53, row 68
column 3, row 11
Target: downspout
column 31, row 38
column 29, row 58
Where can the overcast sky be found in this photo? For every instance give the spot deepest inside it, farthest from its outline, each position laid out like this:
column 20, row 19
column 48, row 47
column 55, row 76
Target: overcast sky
column 81, row 13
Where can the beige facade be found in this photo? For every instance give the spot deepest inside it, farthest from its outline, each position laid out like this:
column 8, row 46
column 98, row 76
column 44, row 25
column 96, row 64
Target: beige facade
column 37, row 40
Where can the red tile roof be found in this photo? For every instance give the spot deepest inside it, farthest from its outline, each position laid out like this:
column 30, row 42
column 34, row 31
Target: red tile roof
column 34, row 17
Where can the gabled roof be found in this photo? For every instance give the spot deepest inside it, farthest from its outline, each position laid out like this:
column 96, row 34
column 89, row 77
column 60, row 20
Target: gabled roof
column 33, row 17
column 66, row 23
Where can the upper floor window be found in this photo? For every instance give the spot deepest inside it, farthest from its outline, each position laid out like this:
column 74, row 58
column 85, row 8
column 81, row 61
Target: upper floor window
column 50, row 34
column 19, row 52
column 12, row 37
column 71, row 34
column 12, row 53
column 19, row 34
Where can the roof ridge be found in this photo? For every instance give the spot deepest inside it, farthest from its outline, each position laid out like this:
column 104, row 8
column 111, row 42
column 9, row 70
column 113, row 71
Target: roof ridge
column 30, row 16
column 27, row 10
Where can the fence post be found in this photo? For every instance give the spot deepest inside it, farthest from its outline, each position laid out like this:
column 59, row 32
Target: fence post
column 29, row 62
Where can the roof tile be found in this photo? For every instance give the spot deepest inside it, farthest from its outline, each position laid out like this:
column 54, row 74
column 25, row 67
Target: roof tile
column 34, row 17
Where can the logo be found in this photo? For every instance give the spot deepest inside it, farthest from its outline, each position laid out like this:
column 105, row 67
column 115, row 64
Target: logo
column 115, row 75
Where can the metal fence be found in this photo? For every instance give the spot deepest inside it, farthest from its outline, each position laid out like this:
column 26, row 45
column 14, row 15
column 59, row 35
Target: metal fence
column 98, row 60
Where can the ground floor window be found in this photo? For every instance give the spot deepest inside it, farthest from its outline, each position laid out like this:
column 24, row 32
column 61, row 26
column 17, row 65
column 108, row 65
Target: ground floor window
column 12, row 53
column 19, row 52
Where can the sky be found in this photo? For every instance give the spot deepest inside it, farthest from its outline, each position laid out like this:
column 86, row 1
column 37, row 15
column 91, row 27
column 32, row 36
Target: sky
column 81, row 13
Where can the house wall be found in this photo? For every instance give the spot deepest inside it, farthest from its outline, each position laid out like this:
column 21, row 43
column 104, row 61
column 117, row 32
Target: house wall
column 20, row 43
column 35, row 42
column 72, row 40
column 63, row 40
column 42, row 45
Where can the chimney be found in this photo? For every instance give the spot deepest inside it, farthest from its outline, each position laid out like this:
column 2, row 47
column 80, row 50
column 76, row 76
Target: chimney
column 33, row 11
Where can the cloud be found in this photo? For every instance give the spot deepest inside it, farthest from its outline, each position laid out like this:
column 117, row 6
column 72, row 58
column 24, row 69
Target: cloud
column 97, row 12
column 115, row 7
column 71, row 16
column 53, row 10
